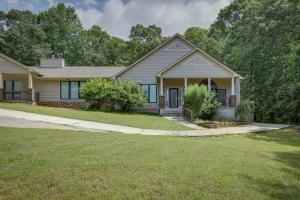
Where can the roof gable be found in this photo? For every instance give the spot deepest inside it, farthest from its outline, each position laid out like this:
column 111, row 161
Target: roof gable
column 180, row 45
column 9, row 65
column 197, row 63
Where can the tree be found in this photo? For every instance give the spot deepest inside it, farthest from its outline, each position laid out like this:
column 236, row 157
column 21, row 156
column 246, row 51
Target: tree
column 21, row 38
column 199, row 37
column 64, row 33
column 260, row 42
column 142, row 40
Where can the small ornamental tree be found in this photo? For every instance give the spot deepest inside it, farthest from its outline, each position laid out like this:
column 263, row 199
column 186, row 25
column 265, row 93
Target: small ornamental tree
column 210, row 106
column 201, row 101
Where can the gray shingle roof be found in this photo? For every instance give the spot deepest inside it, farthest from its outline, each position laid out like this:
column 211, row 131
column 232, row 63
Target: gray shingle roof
column 78, row 72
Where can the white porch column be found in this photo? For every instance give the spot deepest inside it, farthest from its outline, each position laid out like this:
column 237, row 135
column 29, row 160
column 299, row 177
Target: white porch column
column 209, row 83
column 232, row 86
column 161, row 86
column 185, row 83
column 30, row 85
column 1, row 81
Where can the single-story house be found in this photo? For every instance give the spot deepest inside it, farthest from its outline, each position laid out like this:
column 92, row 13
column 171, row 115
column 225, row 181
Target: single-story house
column 163, row 73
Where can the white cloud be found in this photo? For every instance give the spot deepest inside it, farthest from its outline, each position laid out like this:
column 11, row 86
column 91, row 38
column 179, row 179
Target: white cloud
column 90, row 2
column 172, row 16
column 52, row 3
column 13, row 1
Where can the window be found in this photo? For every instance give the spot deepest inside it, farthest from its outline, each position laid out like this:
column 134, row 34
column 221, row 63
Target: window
column 70, row 89
column 150, row 91
column 12, row 85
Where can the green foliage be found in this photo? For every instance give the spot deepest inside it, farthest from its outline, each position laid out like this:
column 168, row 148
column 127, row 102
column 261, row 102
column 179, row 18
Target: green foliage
column 257, row 39
column 209, row 106
column 260, row 40
column 199, row 37
column 245, row 110
column 201, row 101
column 131, row 96
column 127, row 95
column 21, row 38
column 100, row 91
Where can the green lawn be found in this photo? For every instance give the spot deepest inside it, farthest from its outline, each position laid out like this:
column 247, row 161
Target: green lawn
column 52, row 164
column 139, row 120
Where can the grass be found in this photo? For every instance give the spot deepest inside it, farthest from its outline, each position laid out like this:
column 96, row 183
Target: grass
column 52, row 164
column 138, row 120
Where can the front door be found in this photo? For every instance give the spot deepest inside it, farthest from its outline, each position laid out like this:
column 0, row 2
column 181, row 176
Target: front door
column 173, row 97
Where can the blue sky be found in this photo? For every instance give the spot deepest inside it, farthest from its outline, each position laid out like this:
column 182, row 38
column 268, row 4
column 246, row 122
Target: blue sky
column 117, row 16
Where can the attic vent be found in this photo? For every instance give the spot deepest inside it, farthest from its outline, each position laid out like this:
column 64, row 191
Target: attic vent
column 52, row 63
column 177, row 46
column 197, row 60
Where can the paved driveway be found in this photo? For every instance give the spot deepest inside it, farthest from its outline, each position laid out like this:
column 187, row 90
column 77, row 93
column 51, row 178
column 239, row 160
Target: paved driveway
column 23, row 123
column 95, row 126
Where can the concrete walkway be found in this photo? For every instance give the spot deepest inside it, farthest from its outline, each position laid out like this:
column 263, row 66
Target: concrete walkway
column 181, row 120
column 95, row 126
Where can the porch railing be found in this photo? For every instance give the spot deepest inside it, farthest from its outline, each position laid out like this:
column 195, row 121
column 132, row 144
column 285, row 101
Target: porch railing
column 19, row 96
column 188, row 114
column 14, row 95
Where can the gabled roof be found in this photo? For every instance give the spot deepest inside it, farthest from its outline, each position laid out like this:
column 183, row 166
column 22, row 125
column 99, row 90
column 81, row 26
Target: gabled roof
column 205, row 54
column 16, row 62
column 78, row 72
column 177, row 35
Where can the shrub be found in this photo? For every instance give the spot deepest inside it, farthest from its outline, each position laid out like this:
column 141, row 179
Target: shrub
column 131, row 96
column 100, row 91
column 210, row 106
column 201, row 101
column 103, row 92
column 245, row 111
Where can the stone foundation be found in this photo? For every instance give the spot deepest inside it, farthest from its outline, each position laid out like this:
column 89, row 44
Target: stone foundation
column 162, row 101
column 232, row 101
column 1, row 94
column 65, row 104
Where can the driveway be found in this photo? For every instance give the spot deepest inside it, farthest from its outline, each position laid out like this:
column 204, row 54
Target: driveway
column 23, row 123
column 44, row 121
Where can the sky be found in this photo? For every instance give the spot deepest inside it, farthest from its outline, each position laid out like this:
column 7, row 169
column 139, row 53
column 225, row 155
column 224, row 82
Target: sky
column 118, row 16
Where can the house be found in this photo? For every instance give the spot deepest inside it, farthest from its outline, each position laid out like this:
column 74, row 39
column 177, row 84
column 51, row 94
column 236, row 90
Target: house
column 163, row 73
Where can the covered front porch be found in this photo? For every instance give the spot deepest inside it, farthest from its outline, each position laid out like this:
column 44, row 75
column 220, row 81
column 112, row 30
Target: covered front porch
column 171, row 93
column 17, row 87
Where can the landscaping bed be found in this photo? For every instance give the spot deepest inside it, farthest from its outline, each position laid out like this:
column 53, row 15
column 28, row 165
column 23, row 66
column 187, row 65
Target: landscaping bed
column 216, row 124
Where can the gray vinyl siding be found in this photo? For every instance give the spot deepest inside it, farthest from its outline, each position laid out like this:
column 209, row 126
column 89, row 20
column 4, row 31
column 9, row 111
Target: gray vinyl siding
column 204, row 68
column 9, row 67
column 49, row 89
column 145, row 72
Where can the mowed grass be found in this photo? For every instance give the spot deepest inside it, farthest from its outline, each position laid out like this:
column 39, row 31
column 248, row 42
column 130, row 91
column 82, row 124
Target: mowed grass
column 138, row 120
column 52, row 164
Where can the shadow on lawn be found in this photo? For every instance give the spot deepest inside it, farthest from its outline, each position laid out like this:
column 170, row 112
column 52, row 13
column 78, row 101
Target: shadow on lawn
column 286, row 136
column 281, row 188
